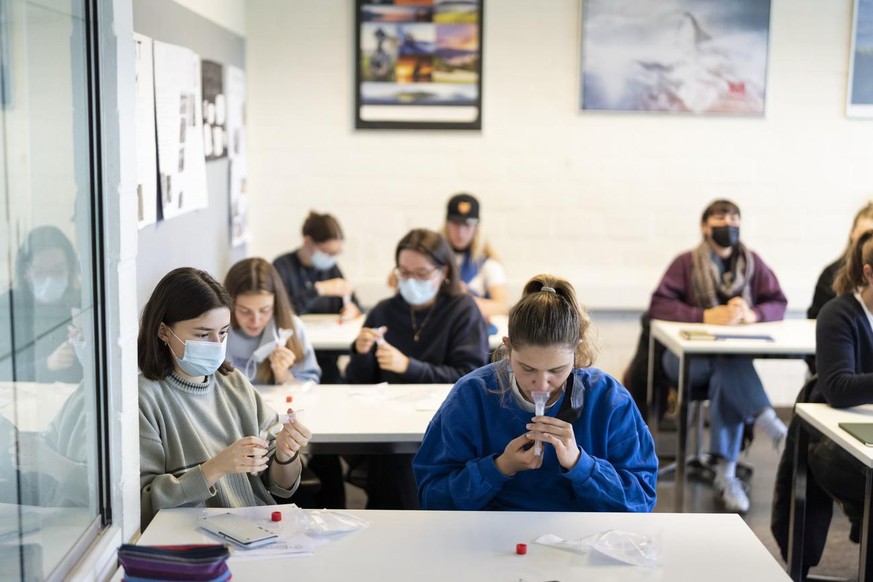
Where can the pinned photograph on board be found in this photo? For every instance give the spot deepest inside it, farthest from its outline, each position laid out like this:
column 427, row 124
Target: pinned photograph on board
column 678, row 56
column 214, row 110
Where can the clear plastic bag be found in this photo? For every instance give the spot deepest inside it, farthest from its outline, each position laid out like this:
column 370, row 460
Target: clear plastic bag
column 321, row 523
column 628, row 547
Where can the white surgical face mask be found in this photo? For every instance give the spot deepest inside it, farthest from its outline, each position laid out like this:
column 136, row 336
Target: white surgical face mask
column 200, row 358
column 49, row 289
column 322, row 261
column 416, row 292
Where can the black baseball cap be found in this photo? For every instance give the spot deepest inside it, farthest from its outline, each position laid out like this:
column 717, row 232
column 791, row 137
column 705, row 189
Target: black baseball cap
column 463, row 209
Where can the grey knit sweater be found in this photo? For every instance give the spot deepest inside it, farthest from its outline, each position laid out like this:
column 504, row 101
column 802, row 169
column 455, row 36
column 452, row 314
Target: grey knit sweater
column 183, row 424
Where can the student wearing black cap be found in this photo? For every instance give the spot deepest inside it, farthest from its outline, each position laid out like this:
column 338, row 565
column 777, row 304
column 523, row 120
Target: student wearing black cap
column 480, row 271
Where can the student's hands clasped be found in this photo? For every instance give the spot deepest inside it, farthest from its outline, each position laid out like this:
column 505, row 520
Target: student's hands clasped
column 519, row 453
column 736, row 311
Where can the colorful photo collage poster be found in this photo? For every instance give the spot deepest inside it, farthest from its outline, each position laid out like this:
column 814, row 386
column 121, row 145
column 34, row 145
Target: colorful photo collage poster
column 419, row 64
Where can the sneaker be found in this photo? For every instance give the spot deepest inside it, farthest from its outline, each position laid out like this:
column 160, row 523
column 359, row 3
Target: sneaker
column 733, row 494
column 773, row 427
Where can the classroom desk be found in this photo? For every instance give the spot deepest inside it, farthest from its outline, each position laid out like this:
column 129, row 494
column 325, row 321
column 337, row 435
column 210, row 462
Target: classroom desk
column 792, row 338
column 358, row 418
column 329, row 335
column 476, row 545
column 822, row 420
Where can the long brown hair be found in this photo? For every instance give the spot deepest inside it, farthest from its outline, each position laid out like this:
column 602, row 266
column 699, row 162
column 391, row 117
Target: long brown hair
column 184, row 293
column 850, row 276
column 256, row 275
column 546, row 315
column 433, row 246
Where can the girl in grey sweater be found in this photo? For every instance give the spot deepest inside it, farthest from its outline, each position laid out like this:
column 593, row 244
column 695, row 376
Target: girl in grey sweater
column 206, row 437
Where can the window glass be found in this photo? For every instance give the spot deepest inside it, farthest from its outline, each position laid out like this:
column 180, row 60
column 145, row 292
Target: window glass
column 48, row 390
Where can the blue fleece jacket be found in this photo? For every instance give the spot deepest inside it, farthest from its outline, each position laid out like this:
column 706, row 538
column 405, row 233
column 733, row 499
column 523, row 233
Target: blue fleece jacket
column 617, row 469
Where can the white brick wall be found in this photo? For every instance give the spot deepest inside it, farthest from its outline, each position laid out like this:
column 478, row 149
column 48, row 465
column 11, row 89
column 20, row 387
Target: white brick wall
column 605, row 200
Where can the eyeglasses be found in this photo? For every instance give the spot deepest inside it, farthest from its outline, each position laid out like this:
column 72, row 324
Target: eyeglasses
column 420, row 275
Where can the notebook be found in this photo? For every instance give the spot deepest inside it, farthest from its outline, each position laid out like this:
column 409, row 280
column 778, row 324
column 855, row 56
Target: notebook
column 703, row 335
column 863, row 431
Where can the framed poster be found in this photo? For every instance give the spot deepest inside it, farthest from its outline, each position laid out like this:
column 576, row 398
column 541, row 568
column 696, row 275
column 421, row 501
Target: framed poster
column 418, row 64
column 860, row 94
column 678, row 56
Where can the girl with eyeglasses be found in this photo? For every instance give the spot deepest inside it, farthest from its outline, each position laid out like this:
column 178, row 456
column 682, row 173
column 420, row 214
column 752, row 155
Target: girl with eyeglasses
column 429, row 332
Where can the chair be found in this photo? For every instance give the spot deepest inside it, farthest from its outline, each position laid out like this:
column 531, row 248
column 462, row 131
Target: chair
column 700, row 461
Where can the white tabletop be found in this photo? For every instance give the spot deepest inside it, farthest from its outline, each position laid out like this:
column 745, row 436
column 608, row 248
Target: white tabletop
column 827, row 420
column 328, row 333
column 359, row 413
column 475, row 546
column 791, row 337
column 31, row 406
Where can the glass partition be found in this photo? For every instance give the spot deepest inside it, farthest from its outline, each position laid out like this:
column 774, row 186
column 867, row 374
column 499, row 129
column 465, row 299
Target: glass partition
column 49, row 476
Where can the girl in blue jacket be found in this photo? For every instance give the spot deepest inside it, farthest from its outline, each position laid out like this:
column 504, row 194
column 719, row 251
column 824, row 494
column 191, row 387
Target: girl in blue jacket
column 588, row 451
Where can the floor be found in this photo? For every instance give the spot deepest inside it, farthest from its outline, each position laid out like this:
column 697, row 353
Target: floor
column 840, row 559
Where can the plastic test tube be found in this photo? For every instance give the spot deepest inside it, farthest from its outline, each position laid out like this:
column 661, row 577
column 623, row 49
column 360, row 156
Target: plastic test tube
column 540, row 397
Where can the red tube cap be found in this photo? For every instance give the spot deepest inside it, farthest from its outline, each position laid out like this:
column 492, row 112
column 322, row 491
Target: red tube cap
column 276, row 516
column 289, row 398
column 521, row 549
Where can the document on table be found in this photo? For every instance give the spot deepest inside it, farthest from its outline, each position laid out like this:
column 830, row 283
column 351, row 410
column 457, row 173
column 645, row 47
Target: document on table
column 706, row 335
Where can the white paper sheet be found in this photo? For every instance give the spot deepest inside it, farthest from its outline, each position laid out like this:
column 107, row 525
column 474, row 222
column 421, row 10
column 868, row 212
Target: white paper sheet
column 237, row 151
column 178, row 106
column 146, row 141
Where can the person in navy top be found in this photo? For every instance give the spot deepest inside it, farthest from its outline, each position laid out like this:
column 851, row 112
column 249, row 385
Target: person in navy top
column 429, row 332
column 589, row 449
column 844, row 358
column 315, row 283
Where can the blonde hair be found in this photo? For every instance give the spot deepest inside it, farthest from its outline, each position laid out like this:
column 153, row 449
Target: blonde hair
column 479, row 248
column 546, row 315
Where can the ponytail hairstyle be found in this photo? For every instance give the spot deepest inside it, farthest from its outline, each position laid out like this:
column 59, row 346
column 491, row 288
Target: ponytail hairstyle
column 549, row 315
column 256, row 275
column 184, row 293
column 322, row 227
column 850, row 276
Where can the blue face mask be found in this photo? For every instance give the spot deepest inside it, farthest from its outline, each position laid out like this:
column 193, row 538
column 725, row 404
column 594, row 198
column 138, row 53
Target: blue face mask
column 322, row 261
column 416, row 292
column 200, row 358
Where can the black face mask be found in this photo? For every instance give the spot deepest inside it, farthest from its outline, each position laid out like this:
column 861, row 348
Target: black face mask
column 726, row 236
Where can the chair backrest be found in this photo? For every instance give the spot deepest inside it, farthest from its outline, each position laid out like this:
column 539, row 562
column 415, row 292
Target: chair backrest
column 809, row 392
